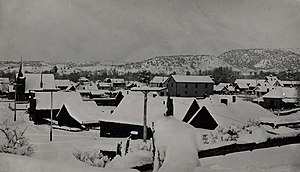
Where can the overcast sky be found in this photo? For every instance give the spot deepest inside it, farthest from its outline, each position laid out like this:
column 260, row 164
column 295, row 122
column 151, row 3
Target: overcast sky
column 131, row 30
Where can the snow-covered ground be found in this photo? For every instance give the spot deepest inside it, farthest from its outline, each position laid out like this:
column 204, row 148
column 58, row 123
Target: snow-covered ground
column 57, row 155
column 276, row 159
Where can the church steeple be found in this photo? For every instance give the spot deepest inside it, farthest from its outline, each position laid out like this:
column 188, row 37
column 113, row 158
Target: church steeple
column 20, row 74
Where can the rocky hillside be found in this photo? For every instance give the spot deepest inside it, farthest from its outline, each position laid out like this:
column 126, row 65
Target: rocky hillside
column 179, row 64
column 267, row 59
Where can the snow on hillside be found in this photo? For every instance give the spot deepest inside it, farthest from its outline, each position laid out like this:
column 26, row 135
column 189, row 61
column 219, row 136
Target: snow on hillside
column 179, row 64
column 267, row 59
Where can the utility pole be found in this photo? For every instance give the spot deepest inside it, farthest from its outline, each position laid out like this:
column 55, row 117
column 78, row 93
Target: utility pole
column 15, row 105
column 51, row 104
column 145, row 116
column 146, row 90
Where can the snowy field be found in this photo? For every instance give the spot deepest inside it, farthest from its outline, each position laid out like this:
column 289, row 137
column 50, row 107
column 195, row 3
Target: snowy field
column 57, row 155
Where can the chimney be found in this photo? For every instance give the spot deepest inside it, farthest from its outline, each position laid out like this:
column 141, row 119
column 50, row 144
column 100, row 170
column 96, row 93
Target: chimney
column 41, row 83
column 233, row 99
column 224, row 101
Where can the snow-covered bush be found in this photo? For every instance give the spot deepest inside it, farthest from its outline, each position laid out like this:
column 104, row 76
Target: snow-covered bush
column 14, row 141
column 234, row 133
column 94, row 158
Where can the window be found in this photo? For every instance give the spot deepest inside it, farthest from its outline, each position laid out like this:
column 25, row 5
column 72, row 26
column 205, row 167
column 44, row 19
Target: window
column 186, row 92
column 186, row 85
column 206, row 85
column 196, row 85
column 196, row 92
column 171, row 84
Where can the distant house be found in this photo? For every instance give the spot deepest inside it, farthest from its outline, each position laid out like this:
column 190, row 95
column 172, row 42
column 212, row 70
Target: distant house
column 224, row 88
column 224, row 111
column 159, row 81
column 62, row 84
column 280, row 97
column 116, row 82
column 251, row 83
column 105, row 86
column 84, row 88
column 40, row 105
column 269, row 81
column 263, row 89
column 241, row 87
column 291, row 83
column 190, row 86
column 83, row 80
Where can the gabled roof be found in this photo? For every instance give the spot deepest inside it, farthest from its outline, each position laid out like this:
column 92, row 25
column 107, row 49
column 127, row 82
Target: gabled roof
column 131, row 109
column 220, row 88
column 274, row 94
column 33, row 81
column 238, row 113
column 249, row 82
column 159, row 79
column 86, row 86
column 83, row 112
column 242, row 85
column 43, row 99
column 264, row 88
column 224, row 84
column 192, row 79
column 114, row 80
column 132, row 113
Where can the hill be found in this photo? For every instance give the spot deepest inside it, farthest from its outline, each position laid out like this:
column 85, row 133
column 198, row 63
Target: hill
column 262, row 59
column 179, row 64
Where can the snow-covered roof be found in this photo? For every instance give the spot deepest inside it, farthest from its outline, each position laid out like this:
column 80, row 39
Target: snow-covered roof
column 282, row 92
column 181, row 106
column 146, row 88
column 290, row 82
column 104, row 84
column 114, row 80
column 238, row 113
column 275, row 93
column 83, row 79
column 62, row 82
column 83, row 112
column 32, row 82
column 131, row 109
column 132, row 113
column 219, row 88
column 192, row 79
column 273, row 80
column 249, row 82
column 264, row 88
column 43, row 99
column 86, row 86
column 224, row 84
column 100, row 92
column 242, row 85
column 159, row 79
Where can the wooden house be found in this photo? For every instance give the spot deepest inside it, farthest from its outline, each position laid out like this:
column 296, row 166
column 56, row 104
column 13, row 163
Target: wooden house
column 190, row 86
